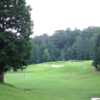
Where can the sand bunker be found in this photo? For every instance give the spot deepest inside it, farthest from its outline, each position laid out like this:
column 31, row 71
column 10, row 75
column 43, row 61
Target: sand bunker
column 57, row 66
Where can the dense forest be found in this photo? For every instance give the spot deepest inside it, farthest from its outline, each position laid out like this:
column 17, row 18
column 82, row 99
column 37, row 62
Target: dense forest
column 65, row 45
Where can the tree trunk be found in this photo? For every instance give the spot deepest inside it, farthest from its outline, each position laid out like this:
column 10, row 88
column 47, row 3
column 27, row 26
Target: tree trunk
column 1, row 74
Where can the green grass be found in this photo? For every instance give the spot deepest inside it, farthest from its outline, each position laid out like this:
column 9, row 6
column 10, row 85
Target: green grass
column 72, row 81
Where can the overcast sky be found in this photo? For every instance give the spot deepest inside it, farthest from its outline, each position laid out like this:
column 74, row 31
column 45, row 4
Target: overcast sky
column 51, row 15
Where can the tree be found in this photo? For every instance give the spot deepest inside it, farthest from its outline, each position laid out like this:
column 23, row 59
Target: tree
column 96, row 62
column 46, row 55
column 15, row 29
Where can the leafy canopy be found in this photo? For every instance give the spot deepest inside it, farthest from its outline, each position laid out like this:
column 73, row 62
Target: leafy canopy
column 15, row 29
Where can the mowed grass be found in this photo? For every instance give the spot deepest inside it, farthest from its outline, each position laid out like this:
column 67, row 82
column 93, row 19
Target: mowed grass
column 71, row 80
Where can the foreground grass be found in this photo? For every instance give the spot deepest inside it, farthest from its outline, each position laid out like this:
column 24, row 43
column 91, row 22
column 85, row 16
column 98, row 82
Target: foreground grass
column 8, row 92
column 71, row 81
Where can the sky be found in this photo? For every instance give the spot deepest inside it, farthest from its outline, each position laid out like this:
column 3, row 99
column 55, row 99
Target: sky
column 51, row 15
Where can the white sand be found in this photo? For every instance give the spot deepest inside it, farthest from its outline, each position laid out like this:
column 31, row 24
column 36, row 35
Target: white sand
column 56, row 66
column 95, row 99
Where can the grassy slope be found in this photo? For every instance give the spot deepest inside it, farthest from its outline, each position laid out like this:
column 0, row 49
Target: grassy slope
column 8, row 92
column 74, row 81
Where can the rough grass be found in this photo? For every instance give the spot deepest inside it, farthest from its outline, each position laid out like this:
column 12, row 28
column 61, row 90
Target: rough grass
column 73, row 81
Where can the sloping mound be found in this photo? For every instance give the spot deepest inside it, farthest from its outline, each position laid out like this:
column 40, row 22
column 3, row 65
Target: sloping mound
column 8, row 92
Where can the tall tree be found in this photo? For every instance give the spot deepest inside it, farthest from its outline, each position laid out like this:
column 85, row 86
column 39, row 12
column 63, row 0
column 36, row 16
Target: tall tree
column 96, row 62
column 15, row 29
column 46, row 55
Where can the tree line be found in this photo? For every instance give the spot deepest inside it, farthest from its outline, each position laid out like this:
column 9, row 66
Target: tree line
column 65, row 45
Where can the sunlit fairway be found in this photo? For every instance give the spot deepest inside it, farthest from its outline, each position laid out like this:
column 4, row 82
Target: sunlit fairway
column 71, row 80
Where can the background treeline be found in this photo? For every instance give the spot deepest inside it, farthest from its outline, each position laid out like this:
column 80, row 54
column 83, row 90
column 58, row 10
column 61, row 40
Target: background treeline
column 65, row 45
